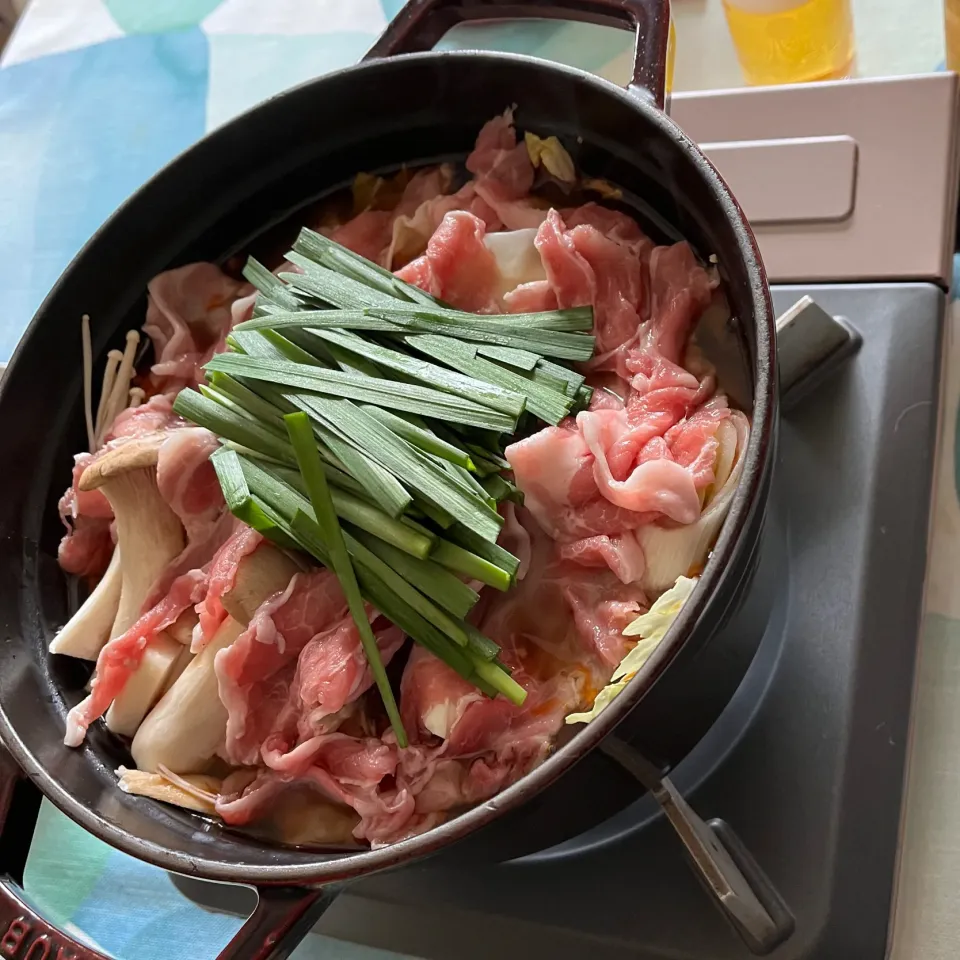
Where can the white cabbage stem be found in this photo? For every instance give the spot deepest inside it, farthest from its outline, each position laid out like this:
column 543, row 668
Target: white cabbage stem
column 673, row 552
column 518, row 260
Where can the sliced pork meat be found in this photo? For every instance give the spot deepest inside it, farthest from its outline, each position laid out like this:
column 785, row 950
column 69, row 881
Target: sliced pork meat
column 531, row 297
column 467, row 747
column 554, row 469
column 620, row 553
column 299, row 662
column 187, row 481
column 368, row 233
column 348, row 770
column 331, row 673
column 503, row 174
column 560, row 631
column 247, row 671
column 188, row 319
column 395, row 236
column 86, row 547
column 457, row 267
column 693, row 442
column 154, row 416
column 425, row 202
column 655, row 486
column 121, row 656
column 221, row 578
column 613, row 225
column 585, row 267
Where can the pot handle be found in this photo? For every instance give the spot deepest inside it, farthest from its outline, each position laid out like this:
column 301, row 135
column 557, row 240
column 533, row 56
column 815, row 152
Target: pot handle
column 421, row 23
column 282, row 917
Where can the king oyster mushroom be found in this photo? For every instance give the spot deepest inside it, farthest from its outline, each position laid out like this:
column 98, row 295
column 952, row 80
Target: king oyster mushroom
column 89, row 628
column 149, row 538
column 182, row 732
column 163, row 662
column 149, row 533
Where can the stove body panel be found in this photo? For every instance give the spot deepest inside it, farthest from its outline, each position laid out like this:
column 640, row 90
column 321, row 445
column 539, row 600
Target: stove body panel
column 807, row 762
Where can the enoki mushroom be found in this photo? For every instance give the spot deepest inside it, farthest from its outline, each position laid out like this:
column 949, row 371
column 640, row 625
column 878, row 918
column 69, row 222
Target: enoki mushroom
column 116, row 393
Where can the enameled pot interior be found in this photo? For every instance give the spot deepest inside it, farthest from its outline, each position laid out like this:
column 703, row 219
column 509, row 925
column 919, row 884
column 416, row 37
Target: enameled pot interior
column 210, row 204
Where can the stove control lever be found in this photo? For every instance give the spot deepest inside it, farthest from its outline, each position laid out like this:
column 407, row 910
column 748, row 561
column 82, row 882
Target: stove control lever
column 810, row 345
column 725, row 868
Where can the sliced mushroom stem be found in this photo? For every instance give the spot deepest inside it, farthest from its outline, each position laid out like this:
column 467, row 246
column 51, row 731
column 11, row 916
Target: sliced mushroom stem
column 180, row 664
column 184, row 730
column 145, row 686
column 158, row 787
column 89, row 628
column 149, row 533
column 260, row 574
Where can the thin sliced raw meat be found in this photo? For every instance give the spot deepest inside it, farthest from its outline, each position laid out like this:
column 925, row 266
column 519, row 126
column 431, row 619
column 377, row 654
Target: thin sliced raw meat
column 601, row 610
column 503, row 174
column 585, row 267
column 250, row 672
column 532, row 297
column 515, row 537
column 187, row 481
column 151, row 417
column 188, row 318
column 613, row 224
column 386, row 236
column 621, row 553
column 657, row 486
column 457, row 267
column 367, row 233
column 222, row 577
column 121, row 656
column 347, row 770
column 86, row 548
column 241, row 310
column 681, row 289
column 332, row 671
column 693, row 442
column 554, row 469
column 544, row 622
column 501, row 166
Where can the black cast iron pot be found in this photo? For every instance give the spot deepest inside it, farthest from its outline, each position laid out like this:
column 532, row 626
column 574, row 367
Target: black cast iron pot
column 210, row 203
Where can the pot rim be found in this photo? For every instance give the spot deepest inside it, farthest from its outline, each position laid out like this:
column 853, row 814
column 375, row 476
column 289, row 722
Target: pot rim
column 747, row 498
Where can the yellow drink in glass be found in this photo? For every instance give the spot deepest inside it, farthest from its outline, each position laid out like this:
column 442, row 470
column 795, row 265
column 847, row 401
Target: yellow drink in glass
column 951, row 13
column 791, row 41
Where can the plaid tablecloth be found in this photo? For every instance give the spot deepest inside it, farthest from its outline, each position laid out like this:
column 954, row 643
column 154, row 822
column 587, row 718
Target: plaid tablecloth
column 95, row 96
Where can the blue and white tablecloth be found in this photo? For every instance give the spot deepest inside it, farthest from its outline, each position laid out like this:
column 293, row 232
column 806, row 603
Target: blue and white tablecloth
column 96, row 96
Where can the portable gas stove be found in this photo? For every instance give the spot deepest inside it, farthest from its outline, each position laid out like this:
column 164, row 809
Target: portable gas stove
column 805, row 766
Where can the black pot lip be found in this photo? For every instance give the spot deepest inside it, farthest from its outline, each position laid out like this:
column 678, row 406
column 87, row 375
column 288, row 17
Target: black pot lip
column 748, row 500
